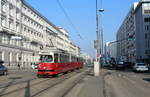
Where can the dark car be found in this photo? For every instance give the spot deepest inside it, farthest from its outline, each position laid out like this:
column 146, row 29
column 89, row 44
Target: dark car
column 3, row 70
column 129, row 64
column 120, row 66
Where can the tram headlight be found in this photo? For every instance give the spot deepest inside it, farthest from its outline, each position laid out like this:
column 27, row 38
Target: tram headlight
column 44, row 68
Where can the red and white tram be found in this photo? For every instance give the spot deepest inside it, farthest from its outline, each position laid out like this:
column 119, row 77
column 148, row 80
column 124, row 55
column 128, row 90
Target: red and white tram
column 55, row 62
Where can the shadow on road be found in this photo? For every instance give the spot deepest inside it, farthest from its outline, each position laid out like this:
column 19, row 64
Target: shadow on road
column 27, row 90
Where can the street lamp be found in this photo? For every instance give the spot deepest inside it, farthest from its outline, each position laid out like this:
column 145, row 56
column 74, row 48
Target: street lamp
column 97, row 42
column 101, row 10
column 101, row 35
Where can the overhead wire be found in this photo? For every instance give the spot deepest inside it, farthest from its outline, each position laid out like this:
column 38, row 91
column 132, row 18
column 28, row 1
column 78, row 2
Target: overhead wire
column 69, row 20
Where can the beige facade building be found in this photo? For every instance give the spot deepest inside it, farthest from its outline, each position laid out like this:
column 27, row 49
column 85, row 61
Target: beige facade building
column 18, row 18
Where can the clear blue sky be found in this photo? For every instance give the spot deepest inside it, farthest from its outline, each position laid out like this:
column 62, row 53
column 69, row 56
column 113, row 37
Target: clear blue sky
column 82, row 14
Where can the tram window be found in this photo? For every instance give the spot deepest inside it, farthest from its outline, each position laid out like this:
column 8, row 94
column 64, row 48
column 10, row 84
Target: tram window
column 64, row 58
column 46, row 58
column 61, row 58
column 56, row 58
column 77, row 59
column 67, row 58
column 73, row 59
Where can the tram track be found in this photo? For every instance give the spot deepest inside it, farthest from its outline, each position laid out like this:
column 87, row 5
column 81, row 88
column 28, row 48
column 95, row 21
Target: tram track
column 51, row 82
column 63, row 87
column 60, row 82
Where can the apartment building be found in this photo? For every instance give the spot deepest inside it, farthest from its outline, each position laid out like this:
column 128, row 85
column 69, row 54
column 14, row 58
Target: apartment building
column 134, row 34
column 18, row 18
column 110, row 52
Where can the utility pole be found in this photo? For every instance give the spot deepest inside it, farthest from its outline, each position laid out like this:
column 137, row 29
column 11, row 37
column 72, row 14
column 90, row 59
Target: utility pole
column 98, row 54
column 97, row 62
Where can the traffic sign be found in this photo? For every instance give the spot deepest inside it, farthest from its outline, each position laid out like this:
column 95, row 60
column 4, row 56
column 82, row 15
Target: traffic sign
column 95, row 44
column 16, row 37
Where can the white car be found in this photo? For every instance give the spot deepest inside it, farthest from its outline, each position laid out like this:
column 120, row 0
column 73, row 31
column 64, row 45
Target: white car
column 140, row 67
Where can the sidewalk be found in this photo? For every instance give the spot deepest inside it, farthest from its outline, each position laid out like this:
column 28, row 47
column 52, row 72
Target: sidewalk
column 90, row 86
column 21, row 69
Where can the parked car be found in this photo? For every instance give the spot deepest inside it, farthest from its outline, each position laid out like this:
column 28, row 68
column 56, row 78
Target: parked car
column 140, row 67
column 3, row 70
column 129, row 64
column 120, row 66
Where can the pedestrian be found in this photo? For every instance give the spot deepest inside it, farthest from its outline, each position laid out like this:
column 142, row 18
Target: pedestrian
column 1, row 62
column 18, row 66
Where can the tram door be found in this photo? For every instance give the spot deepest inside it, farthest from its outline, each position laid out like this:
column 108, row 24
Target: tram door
column 56, row 58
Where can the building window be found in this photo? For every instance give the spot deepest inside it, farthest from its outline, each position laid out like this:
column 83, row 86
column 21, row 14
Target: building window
column 147, row 11
column 34, row 33
column 147, row 27
column 3, row 5
column 147, row 36
column 31, row 32
column 17, row 27
column 147, row 19
column 3, row 19
column 28, row 20
column 17, row 13
column 11, row 24
column 146, row 52
column 31, row 22
column 25, row 18
column 28, row 30
column 25, row 28
column 11, row 9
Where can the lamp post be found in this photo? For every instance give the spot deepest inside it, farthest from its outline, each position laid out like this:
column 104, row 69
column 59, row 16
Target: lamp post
column 98, row 54
column 101, row 35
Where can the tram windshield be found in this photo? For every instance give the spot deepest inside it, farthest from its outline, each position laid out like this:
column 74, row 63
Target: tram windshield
column 46, row 58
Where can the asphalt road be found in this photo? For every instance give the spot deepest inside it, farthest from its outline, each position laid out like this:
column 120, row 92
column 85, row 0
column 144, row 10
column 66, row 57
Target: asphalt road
column 127, row 84
column 79, row 83
column 17, row 76
column 24, row 83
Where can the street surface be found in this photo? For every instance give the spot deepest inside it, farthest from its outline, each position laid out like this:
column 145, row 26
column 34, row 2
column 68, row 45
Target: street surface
column 17, row 76
column 127, row 84
column 26, row 84
column 79, row 83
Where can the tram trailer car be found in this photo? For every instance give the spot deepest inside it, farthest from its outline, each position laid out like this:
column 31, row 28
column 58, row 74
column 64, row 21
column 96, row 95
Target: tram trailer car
column 53, row 64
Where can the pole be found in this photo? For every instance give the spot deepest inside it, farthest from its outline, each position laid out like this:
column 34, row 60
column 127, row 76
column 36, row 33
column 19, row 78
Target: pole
column 97, row 31
column 97, row 62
